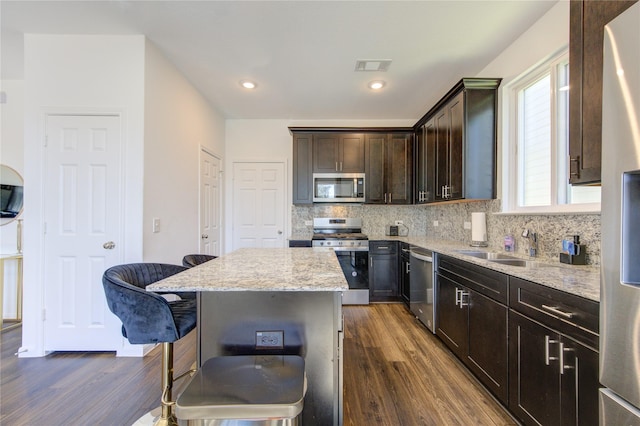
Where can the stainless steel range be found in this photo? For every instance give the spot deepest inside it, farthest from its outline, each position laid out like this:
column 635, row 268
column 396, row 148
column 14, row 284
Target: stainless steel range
column 345, row 237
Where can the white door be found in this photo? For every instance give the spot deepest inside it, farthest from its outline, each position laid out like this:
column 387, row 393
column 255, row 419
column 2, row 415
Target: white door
column 83, row 223
column 258, row 205
column 209, row 204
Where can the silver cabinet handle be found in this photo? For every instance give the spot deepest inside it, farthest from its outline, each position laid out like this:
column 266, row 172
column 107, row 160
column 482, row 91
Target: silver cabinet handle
column 463, row 294
column 341, row 166
column 385, row 198
column 337, row 170
column 407, row 269
column 383, row 248
column 204, row 236
column 458, row 291
column 547, row 357
column 562, row 364
column 557, row 311
column 109, row 245
column 390, row 198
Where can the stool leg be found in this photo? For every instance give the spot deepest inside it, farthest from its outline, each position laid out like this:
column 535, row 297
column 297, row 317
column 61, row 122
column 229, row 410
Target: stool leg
column 167, row 418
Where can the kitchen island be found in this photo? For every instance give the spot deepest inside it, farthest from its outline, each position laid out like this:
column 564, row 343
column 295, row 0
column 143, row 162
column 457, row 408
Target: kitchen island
column 274, row 301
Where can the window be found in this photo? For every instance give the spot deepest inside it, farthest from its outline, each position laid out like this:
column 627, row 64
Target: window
column 537, row 149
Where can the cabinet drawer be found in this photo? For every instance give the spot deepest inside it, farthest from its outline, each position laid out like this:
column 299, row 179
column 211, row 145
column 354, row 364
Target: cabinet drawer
column 569, row 314
column 383, row 247
column 492, row 284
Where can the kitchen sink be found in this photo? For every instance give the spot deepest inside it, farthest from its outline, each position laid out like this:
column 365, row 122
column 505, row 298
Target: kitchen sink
column 486, row 255
column 522, row 262
column 503, row 259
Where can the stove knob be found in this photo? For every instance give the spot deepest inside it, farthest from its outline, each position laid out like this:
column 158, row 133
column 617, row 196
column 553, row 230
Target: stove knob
column 353, row 243
column 321, row 243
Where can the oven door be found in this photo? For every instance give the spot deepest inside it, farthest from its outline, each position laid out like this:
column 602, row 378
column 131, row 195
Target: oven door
column 355, row 266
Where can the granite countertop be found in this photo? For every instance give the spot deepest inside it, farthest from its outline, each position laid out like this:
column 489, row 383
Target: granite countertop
column 579, row 280
column 255, row 269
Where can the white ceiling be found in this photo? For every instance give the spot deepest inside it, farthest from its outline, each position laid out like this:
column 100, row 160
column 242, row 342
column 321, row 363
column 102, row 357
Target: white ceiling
column 302, row 54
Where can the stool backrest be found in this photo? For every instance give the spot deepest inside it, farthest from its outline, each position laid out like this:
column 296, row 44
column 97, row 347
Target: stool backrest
column 192, row 260
column 146, row 316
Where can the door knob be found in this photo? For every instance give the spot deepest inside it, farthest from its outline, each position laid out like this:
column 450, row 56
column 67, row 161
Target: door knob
column 279, row 232
column 109, row 245
column 205, row 236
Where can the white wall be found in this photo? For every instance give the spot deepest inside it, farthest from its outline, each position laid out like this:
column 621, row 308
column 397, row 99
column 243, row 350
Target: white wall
column 11, row 147
column 254, row 140
column 178, row 122
column 541, row 41
column 78, row 74
column 12, row 155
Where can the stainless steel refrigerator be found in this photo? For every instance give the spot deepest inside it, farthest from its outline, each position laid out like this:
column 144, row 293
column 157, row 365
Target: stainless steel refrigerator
column 620, row 284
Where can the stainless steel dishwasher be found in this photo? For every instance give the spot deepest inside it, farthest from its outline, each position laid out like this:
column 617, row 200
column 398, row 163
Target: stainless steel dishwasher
column 421, row 292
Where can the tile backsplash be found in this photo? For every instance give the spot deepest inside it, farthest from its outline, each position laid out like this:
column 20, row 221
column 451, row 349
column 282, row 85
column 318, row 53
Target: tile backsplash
column 551, row 229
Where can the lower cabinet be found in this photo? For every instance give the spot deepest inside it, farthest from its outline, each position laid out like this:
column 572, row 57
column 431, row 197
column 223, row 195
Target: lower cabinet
column 383, row 271
column 473, row 325
column 554, row 361
column 554, row 379
column 404, row 272
column 534, row 347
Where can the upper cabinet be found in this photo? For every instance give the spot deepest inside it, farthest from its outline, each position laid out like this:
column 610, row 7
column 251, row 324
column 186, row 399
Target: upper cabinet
column 338, row 153
column 456, row 144
column 302, row 166
column 587, row 21
column 389, row 168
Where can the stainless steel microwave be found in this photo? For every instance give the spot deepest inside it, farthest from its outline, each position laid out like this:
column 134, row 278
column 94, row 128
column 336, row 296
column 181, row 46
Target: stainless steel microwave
column 338, row 187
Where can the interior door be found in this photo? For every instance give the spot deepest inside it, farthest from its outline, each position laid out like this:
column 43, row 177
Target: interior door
column 83, row 223
column 258, row 205
column 209, row 204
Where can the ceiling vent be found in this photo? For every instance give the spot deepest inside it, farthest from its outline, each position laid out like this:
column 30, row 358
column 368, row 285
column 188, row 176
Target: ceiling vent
column 373, row 64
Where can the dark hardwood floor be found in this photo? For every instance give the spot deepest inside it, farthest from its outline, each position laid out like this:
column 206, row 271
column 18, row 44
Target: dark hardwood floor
column 395, row 373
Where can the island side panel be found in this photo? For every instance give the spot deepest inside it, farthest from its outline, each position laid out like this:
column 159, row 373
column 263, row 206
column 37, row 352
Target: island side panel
column 312, row 326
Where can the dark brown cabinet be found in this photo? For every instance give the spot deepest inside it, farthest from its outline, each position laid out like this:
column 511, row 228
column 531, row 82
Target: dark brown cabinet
column 405, row 272
column 383, row 271
column 553, row 356
column 472, row 320
column 389, row 168
column 448, row 150
column 586, row 27
column 425, row 163
column 458, row 136
column 338, row 152
column 302, row 166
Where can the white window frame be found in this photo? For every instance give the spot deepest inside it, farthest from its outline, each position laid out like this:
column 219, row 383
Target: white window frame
column 510, row 141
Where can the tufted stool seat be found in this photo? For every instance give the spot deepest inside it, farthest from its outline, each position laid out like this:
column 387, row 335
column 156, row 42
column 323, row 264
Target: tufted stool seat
column 245, row 390
column 148, row 317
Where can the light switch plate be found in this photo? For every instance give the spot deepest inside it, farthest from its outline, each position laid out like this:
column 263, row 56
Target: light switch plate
column 467, row 225
column 156, row 225
column 435, row 223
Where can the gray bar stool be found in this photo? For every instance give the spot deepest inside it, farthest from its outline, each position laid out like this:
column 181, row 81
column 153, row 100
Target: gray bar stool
column 147, row 317
column 256, row 390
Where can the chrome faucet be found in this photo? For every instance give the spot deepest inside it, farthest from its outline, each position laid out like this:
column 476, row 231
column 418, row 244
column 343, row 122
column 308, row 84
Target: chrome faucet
column 533, row 241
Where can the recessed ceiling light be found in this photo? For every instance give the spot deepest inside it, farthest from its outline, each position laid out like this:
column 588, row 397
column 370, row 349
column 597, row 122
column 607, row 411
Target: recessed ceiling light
column 376, row 85
column 248, row 84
